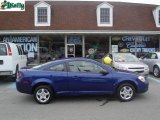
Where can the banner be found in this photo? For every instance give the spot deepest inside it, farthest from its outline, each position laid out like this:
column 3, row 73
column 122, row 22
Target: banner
column 28, row 43
column 12, row 5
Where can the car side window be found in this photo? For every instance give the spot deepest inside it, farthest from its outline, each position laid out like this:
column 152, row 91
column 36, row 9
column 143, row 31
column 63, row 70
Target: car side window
column 154, row 56
column 148, row 56
column 59, row 67
column 84, row 67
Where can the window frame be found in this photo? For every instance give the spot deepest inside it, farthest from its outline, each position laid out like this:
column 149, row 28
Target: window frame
column 5, row 50
column 104, row 16
column 84, row 72
column 42, row 5
column 156, row 15
column 52, row 65
column 105, row 6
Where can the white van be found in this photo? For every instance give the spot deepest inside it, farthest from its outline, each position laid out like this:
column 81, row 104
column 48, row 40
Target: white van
column 12, row 58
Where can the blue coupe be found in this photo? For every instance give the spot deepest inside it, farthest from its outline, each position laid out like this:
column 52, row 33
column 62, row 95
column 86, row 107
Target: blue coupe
column 78, row 76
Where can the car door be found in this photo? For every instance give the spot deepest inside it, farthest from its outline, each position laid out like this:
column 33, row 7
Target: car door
column 23, row 57
column 58, row 74
column 86, row 77
column 150, row 59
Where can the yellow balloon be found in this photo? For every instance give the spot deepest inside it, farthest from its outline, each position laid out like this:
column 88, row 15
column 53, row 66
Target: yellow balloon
column 107, row 60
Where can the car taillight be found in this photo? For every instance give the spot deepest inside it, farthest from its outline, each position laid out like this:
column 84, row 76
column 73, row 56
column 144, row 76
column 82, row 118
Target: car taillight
column 9, row 52
column 19, row 76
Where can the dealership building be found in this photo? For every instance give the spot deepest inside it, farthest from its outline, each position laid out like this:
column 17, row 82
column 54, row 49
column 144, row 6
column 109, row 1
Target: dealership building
column 82, row 28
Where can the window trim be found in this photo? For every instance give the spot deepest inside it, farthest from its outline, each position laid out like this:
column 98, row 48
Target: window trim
column 104, row 5
column 43, row 5
column 156, row 15
column 68, row 68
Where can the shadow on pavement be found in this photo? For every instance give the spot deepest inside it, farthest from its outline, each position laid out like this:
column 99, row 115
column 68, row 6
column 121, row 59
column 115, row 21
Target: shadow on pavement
column 6, row 79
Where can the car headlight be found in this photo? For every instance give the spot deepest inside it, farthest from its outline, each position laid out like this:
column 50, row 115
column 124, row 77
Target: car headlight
column 146, row 68
column 141, row 78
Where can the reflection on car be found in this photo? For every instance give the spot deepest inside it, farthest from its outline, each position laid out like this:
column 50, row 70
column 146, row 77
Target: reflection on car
column 153, row 61
column 129, row 62
column 78, row 76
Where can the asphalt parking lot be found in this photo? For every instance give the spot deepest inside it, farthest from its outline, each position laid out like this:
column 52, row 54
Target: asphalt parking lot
column 18, row 106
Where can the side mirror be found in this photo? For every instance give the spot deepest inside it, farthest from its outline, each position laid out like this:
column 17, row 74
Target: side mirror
column 103, row 72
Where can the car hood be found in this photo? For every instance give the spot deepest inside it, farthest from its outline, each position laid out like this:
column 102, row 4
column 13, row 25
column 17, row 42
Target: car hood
column 132, row 64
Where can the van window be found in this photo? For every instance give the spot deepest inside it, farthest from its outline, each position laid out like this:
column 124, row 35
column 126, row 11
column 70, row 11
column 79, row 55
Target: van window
column 3, row 49
column 20, row 51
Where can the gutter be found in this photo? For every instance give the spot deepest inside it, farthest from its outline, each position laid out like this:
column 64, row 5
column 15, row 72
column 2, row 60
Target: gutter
column 103, row 32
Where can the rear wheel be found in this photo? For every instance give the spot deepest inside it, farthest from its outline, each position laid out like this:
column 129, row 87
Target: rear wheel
column 125, row 92
column 43, row 94
column 15, row 75
column 156, row 71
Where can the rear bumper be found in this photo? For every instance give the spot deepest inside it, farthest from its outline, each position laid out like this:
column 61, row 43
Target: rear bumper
column 6, row 73
column 23, row 88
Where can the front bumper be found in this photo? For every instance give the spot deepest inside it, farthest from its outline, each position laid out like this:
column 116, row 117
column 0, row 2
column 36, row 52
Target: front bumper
column 143, row 86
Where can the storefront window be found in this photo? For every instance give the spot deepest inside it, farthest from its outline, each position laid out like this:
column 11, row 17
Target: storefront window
column 138, row 45
column 29, row 44
column 51, row 47
column 96, row 46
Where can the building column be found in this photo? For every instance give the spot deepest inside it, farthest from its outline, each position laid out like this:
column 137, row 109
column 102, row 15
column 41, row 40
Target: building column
column 83, row 46
column 65, row 46
column 38, row 53
column 110, row 44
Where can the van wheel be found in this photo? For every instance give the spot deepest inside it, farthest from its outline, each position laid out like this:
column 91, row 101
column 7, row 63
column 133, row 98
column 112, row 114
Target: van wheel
column 15, row 75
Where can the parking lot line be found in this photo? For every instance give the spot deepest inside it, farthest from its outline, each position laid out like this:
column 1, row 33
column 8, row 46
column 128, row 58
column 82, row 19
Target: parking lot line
column 12, row 86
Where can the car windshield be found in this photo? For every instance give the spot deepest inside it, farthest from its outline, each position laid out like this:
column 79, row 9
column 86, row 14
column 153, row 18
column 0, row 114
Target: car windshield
column 125, row 58
column 3, row 49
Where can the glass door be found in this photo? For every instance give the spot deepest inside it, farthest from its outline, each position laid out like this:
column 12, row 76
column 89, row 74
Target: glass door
column 70, row 50
column 74, row 46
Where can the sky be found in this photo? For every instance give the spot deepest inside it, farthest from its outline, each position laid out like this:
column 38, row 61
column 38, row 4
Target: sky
column 156, row 2
column 140, row 1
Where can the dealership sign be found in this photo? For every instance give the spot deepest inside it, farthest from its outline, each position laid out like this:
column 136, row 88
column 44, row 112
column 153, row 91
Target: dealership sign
column 135, row 43
column 12, row 5
column 28, row 43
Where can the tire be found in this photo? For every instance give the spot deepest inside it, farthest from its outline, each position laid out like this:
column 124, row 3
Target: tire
column 43, row 94
column 156, row 71
column 15, row 75
column 125, row 92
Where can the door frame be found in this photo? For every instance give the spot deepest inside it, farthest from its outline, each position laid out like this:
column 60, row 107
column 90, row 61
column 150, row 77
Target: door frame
column 83, row 46
column 73, row 45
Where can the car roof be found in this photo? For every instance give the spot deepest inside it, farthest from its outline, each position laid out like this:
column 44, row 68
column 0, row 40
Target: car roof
column 72, row 59
column 121, row 53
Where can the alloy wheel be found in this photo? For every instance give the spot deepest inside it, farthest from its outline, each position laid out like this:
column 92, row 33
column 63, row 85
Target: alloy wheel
column 43, row 94
column 126, row 92
column 156, row 71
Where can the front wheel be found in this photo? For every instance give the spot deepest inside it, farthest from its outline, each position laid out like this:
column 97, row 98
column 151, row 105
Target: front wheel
column 43, row 94
column 156, row 71
column 125, row 92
